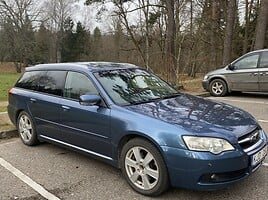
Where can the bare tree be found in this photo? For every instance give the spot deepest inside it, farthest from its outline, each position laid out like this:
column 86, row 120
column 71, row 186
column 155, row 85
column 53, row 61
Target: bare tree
column 57, row 12
column 261, row 25
column 141, row 33
column 170, row 51
column 145, row 10
column 231, row 11
column 17, row 18
column 247, row 11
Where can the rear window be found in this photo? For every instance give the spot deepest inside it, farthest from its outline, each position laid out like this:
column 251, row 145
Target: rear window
column 51, row 82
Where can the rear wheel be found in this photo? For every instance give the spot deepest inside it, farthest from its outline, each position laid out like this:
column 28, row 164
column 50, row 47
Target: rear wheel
column 218, row 88
column 144, row 167
column 26, row 129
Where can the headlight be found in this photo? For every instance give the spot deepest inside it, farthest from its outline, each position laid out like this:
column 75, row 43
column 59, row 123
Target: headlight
column 205, row 77
column 213, row 145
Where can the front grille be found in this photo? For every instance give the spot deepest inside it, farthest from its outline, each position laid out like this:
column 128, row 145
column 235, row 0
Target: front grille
column 250, row 139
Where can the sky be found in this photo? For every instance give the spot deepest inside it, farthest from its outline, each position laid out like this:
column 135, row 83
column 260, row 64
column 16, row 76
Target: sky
column 87, row 15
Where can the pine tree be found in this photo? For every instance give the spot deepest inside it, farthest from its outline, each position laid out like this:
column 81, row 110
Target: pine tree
column 68, row 41
column 97, row 44
column 80, row 41
column 42, row 45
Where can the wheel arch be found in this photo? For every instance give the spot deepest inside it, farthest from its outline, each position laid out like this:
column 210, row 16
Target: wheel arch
column 17, row 115
column 23, row 110
column 133, row 135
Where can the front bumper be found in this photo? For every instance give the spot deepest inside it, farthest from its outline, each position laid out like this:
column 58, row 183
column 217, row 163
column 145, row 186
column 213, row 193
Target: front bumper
column 205, row 84
column 205, row 171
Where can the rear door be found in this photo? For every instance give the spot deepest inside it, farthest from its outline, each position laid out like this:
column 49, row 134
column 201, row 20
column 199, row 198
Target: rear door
column 245, row 75
column 263, row 72
column 86, row 127
column 44, row 102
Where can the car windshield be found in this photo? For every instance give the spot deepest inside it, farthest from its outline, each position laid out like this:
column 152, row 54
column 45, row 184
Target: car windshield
column 134, row 86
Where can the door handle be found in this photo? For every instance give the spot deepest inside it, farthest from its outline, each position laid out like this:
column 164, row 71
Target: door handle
column 32, row 100
column 65, row 108
column 254, row 74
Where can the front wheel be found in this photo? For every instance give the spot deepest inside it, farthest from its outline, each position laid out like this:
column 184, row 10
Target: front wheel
column 26, row 129
column 144, row 167
column 218, row 88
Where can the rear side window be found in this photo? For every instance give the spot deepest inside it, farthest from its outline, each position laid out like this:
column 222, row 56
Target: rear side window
column 51, row 82
column 264, row 60
column 78, row 84
column 30, row 80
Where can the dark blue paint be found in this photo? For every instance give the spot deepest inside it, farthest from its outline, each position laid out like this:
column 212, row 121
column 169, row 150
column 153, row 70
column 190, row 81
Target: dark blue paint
column 101, row 129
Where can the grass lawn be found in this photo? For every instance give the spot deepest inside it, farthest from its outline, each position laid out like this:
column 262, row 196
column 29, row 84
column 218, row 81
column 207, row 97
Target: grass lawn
column 3, row 108
column 7, row 81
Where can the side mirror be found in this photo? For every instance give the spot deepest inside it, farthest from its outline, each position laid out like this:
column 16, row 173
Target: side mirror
column 231, row 67
column 89, row 100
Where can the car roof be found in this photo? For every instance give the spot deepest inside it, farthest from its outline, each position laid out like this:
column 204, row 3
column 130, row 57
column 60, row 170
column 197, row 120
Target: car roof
column 256, row 51
column 83, row 66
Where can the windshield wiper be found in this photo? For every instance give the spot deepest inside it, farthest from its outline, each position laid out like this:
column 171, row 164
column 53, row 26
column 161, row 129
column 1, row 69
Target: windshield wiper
column 145, row 101
column 155, row 99
column 171, row 95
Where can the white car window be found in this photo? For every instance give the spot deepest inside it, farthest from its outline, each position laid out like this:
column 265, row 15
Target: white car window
column 249, row 62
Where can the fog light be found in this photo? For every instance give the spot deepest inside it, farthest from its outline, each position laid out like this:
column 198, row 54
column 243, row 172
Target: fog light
column 213, row 177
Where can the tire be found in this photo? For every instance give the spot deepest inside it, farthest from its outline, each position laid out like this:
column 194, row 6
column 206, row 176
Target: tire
column 218, row 88
column 26, row 129
column 144, row 168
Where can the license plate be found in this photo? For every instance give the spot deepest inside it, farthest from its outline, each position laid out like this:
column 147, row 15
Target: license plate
column 259, row 156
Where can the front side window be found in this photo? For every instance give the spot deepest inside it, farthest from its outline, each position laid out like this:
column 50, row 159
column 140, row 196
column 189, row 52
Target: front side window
column 78, row 84
column 249, row 62
column 134, row 86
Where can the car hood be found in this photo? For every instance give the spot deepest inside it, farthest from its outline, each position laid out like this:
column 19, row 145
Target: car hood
column 221, row 70
column 199, row 116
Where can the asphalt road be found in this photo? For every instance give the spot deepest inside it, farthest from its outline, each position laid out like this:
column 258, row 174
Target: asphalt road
column 65, row 174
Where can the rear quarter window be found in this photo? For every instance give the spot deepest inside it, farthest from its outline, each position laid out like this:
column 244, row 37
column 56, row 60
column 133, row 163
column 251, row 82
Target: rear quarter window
column 50, row 82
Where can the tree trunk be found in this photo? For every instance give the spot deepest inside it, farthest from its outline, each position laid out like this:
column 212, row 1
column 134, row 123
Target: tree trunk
column 18, row 67
column 227, row 49
column 261, row 25
column 213, row 33
column 147, row 32
column 247, row 14
column 170, row 48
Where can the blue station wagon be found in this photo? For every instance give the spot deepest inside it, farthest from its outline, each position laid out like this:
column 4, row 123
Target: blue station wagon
column 133, row 120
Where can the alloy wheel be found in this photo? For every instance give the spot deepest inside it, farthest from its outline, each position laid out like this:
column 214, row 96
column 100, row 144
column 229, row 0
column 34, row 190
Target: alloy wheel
column 141, row 168
column 25, row 128
column 217, row 88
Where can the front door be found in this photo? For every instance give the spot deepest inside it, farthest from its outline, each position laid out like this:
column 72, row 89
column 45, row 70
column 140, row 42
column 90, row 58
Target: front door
column 245, row 76
column 84, row 127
